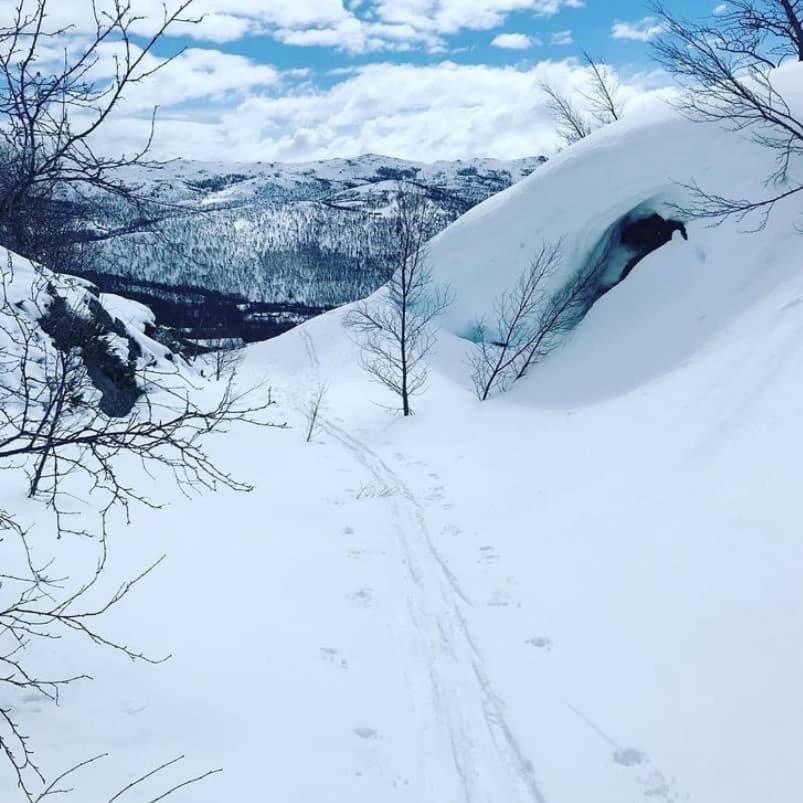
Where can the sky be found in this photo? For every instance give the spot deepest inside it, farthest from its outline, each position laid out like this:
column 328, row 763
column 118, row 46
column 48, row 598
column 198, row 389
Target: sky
column 299, row 80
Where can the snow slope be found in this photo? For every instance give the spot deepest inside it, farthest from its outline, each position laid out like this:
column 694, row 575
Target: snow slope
column 588, row 589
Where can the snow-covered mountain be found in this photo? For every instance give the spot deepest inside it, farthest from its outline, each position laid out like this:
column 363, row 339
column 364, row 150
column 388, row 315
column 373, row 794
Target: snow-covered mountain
column 255, row 247
column 586, row 589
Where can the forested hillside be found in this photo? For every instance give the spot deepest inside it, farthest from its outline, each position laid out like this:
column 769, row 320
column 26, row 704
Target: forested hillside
column 250, row 249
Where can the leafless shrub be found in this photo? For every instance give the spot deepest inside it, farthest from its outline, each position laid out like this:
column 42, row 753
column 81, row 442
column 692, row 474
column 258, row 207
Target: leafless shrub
column 52, row 427
column 394, row 329
column 226, row 356
column 602, row 96
column 572, row 123
column 529, row 323
column 597, row 105
column 313, row 407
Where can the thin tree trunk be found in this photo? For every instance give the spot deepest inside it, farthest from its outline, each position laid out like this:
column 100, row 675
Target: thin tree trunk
column 404, row 368
column 796, row 24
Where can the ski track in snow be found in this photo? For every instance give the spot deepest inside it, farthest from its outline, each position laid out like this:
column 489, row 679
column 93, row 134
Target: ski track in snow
column 456, row 705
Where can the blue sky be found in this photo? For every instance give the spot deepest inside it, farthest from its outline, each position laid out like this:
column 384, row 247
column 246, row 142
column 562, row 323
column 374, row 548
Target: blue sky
column 420, row 79
column 590, row 26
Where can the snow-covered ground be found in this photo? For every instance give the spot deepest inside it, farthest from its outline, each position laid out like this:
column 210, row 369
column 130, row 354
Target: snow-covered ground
column 587, row 589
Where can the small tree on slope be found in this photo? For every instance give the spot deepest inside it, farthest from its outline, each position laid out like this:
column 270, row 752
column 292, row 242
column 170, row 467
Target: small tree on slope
column 395, row 327
column 530, row 321
column 598, row 104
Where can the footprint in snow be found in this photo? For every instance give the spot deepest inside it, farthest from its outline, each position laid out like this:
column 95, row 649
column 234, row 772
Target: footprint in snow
column 656, row 785
column 629, row 757
column 364, row 597
column 541, row 642
column 330, row 655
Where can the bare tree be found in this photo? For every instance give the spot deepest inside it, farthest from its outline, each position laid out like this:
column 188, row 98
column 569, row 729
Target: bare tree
column 603, row 94
column 52, row 110
column 726, row 66
column 53, row 427
column 226, row 356
column 54, row 418
column 596, row 105
column 394, row 327
column 50, row 417
column 572, row 122
column 530, row 321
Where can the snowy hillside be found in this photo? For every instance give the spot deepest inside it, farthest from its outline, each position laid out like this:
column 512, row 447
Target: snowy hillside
column 284, row 238
column 586, row 589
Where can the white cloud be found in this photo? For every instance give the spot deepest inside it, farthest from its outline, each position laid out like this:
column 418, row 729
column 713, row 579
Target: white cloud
column 721, row 9
column 643, row 30
column 365, row 26
column 400, row 24
column 562, row 38
column 451, row 16
column 440, row 111
column 196, row 74
column 514, row 41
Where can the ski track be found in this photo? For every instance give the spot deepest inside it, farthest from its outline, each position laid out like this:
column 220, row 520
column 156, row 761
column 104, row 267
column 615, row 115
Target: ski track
column 457, row 707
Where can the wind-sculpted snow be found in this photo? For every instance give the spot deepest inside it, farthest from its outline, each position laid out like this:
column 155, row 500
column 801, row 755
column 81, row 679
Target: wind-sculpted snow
column 636, row 167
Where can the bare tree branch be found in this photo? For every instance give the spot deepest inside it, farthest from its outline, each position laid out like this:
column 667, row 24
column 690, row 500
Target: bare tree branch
column 50, row 116
column 572, row 123
column 726, row 66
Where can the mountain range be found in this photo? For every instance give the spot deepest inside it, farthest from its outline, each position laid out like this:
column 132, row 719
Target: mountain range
column 249, row 250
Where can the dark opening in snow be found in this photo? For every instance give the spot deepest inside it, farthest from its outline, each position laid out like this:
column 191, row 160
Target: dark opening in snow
column 624, row 245
column 647, row 234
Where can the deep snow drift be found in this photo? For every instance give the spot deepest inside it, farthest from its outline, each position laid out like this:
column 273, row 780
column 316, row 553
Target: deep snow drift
column 587, row 589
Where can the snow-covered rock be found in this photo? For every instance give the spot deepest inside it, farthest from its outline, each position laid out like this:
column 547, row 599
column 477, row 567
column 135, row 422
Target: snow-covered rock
column 114, row 336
